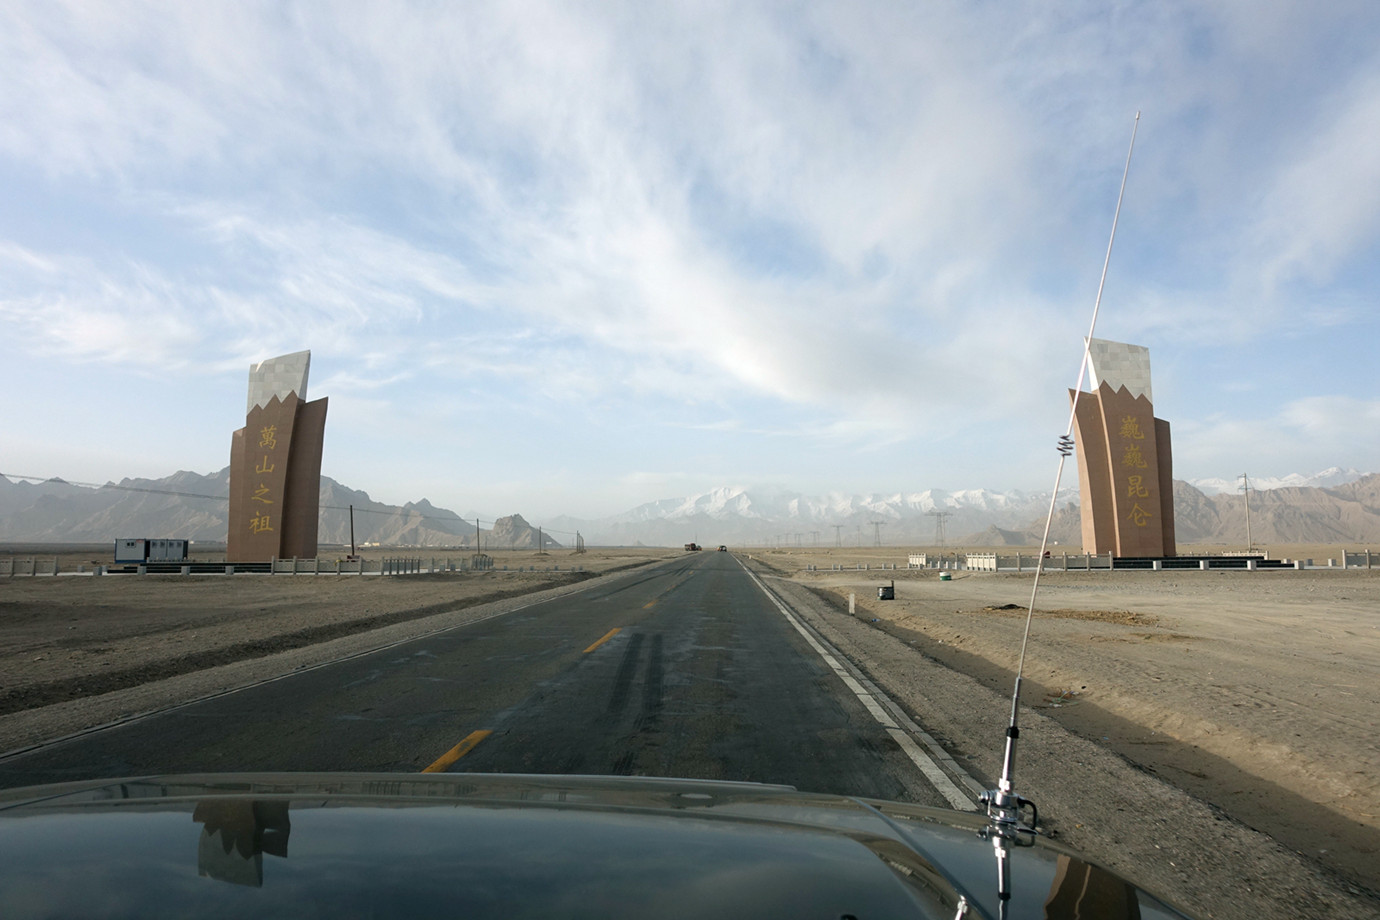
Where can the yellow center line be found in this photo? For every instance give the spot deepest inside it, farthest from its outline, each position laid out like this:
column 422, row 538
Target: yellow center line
column 460, row 750
column 649, row 605
column 607, row 636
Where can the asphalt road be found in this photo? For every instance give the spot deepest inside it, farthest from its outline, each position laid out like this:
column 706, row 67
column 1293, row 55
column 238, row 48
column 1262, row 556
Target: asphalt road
column 687, row 669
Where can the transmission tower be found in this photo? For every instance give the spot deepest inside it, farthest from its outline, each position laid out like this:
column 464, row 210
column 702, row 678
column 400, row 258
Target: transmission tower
column 838, row 535
column 814, row 538
column 939, row 518
column 877, row 532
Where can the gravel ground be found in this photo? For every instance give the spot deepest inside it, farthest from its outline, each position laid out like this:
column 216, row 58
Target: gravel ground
column 1108, row 798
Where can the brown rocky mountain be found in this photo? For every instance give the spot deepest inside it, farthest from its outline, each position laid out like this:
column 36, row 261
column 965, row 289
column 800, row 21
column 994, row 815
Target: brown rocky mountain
column 1343, row 514
column 191, row 506
column 513, row 532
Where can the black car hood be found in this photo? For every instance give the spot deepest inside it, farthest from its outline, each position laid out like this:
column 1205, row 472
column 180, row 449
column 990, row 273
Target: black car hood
column 470, row 845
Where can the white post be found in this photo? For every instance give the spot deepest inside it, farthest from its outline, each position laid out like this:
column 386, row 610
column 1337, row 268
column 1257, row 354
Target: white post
column 851, row 606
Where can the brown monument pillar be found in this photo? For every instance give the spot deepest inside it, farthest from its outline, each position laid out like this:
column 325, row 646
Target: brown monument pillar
column 275, row 465
column 1125, row 477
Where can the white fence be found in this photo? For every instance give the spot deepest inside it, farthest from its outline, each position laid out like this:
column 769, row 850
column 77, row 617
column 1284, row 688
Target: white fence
column 1017, row 562
column 13, row 566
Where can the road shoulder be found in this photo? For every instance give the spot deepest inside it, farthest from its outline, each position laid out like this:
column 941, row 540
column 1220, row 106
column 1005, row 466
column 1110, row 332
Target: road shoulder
column 1091, row 798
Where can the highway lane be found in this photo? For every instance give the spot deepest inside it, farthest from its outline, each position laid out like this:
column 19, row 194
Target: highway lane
column 684, row 669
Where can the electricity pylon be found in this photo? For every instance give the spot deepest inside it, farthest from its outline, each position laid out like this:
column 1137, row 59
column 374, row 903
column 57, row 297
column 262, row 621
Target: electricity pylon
column 939, row 518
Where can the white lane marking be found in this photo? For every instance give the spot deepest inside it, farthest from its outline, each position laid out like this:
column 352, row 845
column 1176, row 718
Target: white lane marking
column 931, row 770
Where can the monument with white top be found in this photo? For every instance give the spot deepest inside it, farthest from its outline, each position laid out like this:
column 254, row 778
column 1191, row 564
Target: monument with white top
column 275, row 465
column 1125, row 474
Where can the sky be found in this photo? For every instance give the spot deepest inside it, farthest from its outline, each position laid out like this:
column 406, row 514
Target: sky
column 567, row 258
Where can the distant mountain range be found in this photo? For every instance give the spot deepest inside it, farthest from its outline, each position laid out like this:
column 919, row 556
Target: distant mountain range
column 192, row 506
column 1328, row 478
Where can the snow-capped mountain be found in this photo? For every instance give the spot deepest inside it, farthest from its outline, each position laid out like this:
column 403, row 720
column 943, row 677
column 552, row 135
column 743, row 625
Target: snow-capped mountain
column 1327, row 479
column 188, row 505
column 741, row 514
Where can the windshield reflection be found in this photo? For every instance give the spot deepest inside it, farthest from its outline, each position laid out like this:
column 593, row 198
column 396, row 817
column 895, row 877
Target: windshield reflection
column 1081, row 890
column 236, row 834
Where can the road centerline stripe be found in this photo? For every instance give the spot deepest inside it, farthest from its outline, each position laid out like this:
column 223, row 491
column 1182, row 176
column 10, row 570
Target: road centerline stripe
column 460, row 750
column 606, row 637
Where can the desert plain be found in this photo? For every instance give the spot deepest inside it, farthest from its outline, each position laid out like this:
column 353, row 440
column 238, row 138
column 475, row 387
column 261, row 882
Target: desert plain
column 1253, row 692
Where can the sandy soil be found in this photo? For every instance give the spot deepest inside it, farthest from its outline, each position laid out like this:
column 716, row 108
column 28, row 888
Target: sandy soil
column 1255, row 692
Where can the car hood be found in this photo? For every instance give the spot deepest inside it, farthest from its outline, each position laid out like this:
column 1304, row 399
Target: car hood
column 472, row 845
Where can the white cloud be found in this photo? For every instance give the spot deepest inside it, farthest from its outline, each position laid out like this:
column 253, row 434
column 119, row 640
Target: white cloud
column 1324, row 206
column 854, row 227
column 1304, row 435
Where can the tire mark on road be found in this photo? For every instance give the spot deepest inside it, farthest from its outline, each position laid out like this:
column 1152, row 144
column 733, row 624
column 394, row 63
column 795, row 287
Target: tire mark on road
column 618, row 698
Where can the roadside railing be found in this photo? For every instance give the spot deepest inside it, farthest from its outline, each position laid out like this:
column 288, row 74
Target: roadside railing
column 38, row 566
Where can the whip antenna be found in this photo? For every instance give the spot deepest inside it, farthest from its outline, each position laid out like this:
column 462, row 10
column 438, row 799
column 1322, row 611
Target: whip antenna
column 1004, row 806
